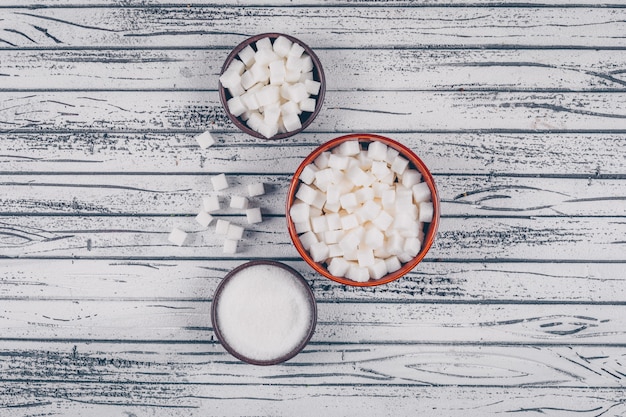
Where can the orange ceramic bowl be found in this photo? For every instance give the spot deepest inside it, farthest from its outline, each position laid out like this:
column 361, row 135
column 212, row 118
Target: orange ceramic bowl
column 430, row 229
column 306, row 118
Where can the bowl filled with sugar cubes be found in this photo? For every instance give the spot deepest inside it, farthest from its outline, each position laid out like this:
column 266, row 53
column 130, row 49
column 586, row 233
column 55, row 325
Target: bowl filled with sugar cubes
column 362, row 210
column 272, row 86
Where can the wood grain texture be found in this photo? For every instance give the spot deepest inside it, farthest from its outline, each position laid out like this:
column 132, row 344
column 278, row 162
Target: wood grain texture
column 398, row 111
column 346, row 69
column 184, row 280
column 587, row 155
column 530, row 238
column 317, row 26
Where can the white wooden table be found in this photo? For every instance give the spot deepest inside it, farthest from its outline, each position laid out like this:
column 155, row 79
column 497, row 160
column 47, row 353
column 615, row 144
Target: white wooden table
column 519, row 308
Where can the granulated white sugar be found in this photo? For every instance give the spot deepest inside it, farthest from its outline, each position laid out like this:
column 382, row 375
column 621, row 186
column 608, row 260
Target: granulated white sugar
column 264, row 312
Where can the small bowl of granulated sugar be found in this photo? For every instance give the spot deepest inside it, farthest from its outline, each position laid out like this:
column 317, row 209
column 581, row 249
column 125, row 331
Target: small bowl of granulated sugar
column 263, row 312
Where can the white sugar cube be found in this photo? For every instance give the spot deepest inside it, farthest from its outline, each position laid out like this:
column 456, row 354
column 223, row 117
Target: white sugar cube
column 358, row 177
column 349, row 221
column 300, row 212
column 268, row 95
column 364, row 194
column 391, row 155
column 333, row 236
column 236, row 106
column 402, row 221
column 368, row 211
column 349, row 148
column 389, row 179
column 350, row 242
column 349, row 255
column 393, row 264
column 282, row 46
column 421, row 192
column 308, row 104
column 236, row 90
column 381, row 253
column 237, row 66
column 290, row 107
column 410, row 178
column 297, row 92
column 365, row 257
column 319, row 251
column 413, row 230
column 230, row 247
column 412, row 246
column 365, row 163
column 296, row 50
column 334, row 251
column 204, row 218
column 338, row 267
column 271, row 114
column 349, row 201
column 205, row 139
column 338, row 162
column 383, row 220
column 221, row 227
column 379, row 188
column 404, row 257
column 177, row 236
column 265, row 56
column 219, row 182
column 319, row 224
column 378, row 270
column 230, row 79
column 235, row 232
column 332, row 207
column 238, row 202
column 306, row 76
column 292, row 76
column 211, row 203
column 307, row 239
column 253, row 215
column 293, row 64
column 277, row 72
column 322, row 160
column 263, row 43
column 426, row 212
column 380, row 169
column 377, row 151
column 306, row 63
column 404, row 196
column 374, row 238
column 333, row 220
column 308, row 174
column 268, row 130
column 302, row 227
column 312, row 87
column 256, row 189
column 395, row 244
column 247, row 56
column 323, row 178
column 255, row 121
column 260, row 73
column 306, row 194
column 292, row 122
column 358, row 273
column 249, row 100
column 333, row 194
column 388, row 199
column 320, row 200
column 399, row 165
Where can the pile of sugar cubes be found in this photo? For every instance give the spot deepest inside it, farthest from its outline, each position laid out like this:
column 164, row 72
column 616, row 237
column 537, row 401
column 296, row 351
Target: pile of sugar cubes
column 360, row 210
column 232, row 233
column 271, row 86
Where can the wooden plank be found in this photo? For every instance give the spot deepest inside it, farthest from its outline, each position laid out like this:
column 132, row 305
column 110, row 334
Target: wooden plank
column 349, row 322
column 347, row 69
column 392, row 111
column 352, row 27
column 532, row 238
column 330, row 3
column 581, row 154
column 515, row 282
column 384, row 365
column 183, row 400
column 182, row 195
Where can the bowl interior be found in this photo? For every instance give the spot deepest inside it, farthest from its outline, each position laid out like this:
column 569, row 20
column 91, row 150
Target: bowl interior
column 430, row 229
column 215, row 318
column 306, row 118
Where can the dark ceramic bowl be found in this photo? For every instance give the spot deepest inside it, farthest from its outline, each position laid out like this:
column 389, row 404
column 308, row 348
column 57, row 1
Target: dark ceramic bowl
column 295, row 350
column 306, row 118
column 430, row 229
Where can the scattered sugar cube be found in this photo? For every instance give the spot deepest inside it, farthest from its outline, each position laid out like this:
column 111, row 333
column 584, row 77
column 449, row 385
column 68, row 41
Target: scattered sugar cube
column 338, row 267
column 204, row 218
column 256, row 189
column 393, row 264
column 421, row 192
column 312, row 87
column 236, row 106
column 221, row 227
column 247, row 56
column 211, row 203
column 219, row 182
column 230, row 247
column 234, row 232
column 253, row 215
column 319, row 251
column 238, row 202
column 177, row 236
column 426, row 212
column 378, row 270
column 205, row 139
